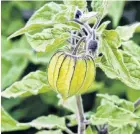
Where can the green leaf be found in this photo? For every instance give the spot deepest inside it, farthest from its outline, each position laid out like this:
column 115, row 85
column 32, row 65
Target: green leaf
column 89, row 130
column 41, row 58
column 129, row 29
column 112, row 38
column 97, row 5
column 109, row 43
column 32, row 84
column 22, row 49
column 107, row 68
column 48, row 40
column 29, row 28
column 133, row 66
column 48, row 15
column 102, row 27
column 115, row 11
column 114, row 64
column 49, row 132
column 100, row 6
column 27, row 5
column 82, row 4
column 17, row 22
column 10, row 124
column 9, row 68
column 113, row 115
column 132, row 48
column 132, row 94
column 47, row 30
column 117, row 101
column 128, row 129
column 35, row 57
column 13, row 26
column 12, row 64
column 111, row 73
column 50, row 122
column 40, row 19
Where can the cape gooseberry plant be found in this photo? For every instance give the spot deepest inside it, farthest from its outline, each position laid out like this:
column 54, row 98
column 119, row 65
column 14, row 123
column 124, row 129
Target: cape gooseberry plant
column 79, row 43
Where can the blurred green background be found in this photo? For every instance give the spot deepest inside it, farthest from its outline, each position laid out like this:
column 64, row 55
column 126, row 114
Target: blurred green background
column 18, row 59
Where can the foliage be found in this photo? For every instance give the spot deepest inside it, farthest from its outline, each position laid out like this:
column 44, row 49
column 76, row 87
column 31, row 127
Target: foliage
column 52, row 121
column 9, row 124
column 115, row 62
column 49, row 29
column 9, row 66
column 113, row 9
column 18, row 50
column 119, row 113
column 34, row 83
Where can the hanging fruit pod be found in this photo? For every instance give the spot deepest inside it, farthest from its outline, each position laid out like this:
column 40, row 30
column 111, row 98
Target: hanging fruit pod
column 69, row 74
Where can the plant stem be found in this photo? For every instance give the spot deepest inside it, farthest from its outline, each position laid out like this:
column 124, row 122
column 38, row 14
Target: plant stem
column 75, row 36
column 80, row 115
column 97, row 23
column 68, row 131
column 86, row 26
column 137, row 103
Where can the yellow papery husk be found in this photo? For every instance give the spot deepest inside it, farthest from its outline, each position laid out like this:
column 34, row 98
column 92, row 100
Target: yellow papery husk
column 70, row 75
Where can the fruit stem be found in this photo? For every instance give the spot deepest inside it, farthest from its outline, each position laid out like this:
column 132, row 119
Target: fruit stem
column 80, row 115
column 85, row 26
column 78, row 44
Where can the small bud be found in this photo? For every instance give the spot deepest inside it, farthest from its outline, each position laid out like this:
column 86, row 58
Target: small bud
column 92, row 45
column 78, row 14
